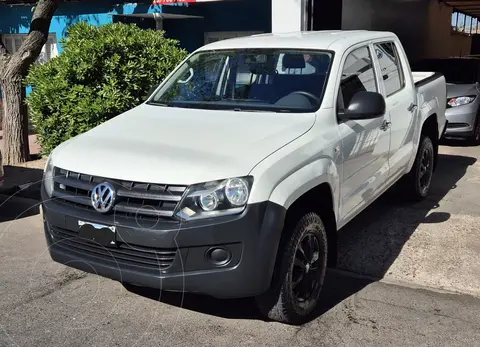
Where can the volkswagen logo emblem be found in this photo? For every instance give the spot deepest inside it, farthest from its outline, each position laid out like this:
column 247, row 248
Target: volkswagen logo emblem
column 103, row 197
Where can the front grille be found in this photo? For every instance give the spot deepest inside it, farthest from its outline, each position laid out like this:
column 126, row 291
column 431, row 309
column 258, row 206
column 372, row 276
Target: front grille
column 134, row 199
column 132, row 255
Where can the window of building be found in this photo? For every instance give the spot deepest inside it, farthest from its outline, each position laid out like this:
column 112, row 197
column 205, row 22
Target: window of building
column 463, row 23
column 454, row 20
column 460, row 22
column 358, row 75
column 391, row 68
column 13, row 42
column 475, row 26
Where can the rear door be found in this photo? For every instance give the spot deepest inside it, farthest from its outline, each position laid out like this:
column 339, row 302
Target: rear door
column 399, row 92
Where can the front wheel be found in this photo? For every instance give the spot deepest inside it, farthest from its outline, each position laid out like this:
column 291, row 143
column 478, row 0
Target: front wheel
column 475, row 139
column 418, row 181
column 299, row 272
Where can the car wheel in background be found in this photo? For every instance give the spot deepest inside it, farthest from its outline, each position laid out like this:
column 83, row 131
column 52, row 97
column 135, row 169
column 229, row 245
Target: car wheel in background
column 475, row 139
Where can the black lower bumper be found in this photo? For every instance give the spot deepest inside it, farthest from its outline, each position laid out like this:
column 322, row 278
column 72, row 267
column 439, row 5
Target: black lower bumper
column 169, row 255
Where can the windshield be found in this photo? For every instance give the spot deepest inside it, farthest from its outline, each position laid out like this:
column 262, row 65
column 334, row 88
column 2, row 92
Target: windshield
column 251, row 80
column 457, row 71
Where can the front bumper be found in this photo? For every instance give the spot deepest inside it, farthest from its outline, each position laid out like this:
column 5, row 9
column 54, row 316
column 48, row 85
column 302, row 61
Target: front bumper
column 171, row 256
column 461, row 121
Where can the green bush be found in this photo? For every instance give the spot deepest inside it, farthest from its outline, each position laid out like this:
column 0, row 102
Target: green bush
column 102, row 72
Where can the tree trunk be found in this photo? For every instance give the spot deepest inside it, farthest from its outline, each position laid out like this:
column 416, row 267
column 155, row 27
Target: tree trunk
column 13, row 68
column 15, row 122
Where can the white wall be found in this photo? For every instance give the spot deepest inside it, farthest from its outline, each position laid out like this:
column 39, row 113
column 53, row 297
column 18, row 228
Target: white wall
column 287, row 15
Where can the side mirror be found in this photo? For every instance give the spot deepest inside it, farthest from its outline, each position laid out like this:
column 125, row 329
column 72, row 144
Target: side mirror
column 364, row 105
column 151, row 90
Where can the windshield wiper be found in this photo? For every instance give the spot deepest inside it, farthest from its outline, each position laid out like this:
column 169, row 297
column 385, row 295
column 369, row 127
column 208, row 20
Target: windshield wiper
column 237, row 109
column 156, row 103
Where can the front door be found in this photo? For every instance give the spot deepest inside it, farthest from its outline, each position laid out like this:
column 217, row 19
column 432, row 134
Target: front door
column 365, row 145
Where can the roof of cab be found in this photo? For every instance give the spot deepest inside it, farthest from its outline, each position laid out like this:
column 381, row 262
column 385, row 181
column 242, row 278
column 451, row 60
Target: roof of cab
column 300, row 40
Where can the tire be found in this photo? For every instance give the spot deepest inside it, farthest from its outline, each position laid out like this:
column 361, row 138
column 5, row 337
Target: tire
column 475, row 138
column 290, row 298
column 417, row 182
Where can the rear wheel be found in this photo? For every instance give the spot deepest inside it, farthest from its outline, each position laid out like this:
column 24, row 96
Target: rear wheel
column 475, row 139
column 300, row 272
column 418, row 181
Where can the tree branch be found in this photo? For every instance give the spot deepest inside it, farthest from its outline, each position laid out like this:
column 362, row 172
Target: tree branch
column 36, row 39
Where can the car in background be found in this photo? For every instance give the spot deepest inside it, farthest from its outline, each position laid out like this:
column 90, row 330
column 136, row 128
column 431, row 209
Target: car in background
column 463, row 91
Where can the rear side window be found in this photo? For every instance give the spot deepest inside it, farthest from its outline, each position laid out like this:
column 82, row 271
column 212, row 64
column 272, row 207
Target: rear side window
column 391, row 68
column 358, row 75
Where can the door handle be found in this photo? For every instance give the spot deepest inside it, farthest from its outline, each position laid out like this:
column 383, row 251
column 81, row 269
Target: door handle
column 385, row 125
column 412, row 107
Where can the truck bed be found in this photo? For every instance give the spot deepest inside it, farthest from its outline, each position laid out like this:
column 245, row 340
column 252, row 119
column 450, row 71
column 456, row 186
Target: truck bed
column 422, row 77
column 431, row 92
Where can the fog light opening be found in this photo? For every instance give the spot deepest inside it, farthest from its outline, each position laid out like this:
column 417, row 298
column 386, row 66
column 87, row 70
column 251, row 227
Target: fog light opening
column 218, row 256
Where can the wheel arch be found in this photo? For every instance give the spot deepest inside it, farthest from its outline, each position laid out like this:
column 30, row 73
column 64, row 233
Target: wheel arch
column 320, row 199
column 313, row 188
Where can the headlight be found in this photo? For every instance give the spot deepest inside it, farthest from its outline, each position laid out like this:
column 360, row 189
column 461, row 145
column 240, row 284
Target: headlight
column 460, row 100
column 217, row 198
column 48, row 177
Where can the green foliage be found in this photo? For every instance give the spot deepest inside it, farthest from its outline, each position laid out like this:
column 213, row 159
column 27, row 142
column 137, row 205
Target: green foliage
column 102, row 72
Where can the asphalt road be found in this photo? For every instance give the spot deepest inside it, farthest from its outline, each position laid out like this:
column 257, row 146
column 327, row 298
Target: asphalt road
column 417, row 249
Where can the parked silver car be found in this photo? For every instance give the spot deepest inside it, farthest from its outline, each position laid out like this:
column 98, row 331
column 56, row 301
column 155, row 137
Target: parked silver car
column 463, row 91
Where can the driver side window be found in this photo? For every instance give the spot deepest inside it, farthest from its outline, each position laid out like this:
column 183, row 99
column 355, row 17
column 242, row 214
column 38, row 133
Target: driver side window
column 358, row 75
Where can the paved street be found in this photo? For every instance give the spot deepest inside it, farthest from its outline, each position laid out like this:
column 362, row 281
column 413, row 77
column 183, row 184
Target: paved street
column 424, row 252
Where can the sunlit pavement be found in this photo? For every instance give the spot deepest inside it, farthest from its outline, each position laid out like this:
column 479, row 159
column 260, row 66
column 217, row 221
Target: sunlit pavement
column 418, row 249
column 435, row 243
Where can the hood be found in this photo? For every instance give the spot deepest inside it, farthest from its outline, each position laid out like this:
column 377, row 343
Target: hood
column 169, row 145
column 454, row 90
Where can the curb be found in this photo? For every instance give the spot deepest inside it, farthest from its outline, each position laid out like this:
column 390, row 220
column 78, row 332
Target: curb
column 405, row 284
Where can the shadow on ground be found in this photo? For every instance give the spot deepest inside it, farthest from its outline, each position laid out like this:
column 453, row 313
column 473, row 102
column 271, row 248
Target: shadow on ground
column 371, row 242
column 20, row 194
column 457, row 142
column 338, row 286
column 367, row 246
column 13, row 208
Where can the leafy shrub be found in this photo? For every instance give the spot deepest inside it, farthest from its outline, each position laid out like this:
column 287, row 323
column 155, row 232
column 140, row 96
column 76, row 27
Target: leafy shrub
column 102, row 72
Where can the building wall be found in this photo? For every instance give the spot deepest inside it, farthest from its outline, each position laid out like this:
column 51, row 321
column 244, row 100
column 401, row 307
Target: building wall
column 423, row 26
column 16, row 19
column 441, row 41
column 287, row 15
column 405, row 18
column 221, row 16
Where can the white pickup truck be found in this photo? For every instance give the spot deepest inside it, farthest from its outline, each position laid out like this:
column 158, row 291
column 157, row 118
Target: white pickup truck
column 234, row 177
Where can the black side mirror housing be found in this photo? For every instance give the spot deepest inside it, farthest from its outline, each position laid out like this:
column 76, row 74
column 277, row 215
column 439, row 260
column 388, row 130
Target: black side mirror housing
column 364, row 105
